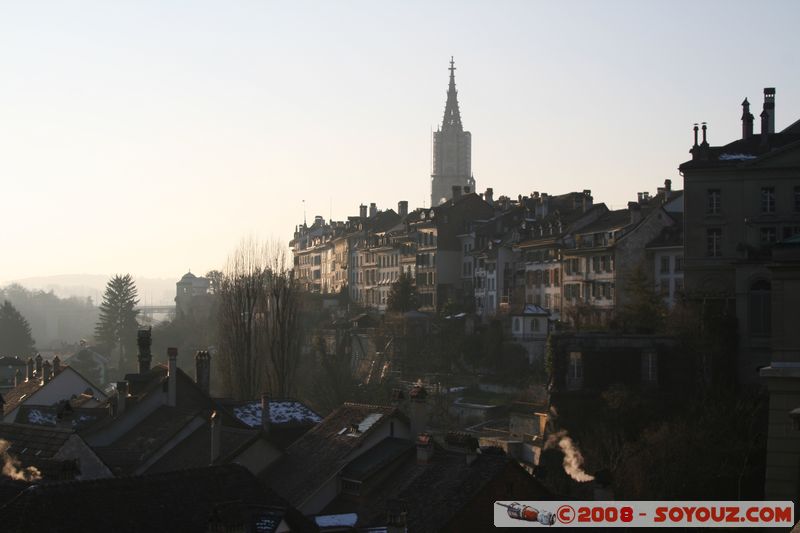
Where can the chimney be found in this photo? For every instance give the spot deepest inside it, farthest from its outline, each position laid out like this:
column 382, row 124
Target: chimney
column 56, row 366
column 266, row 419
column 769, row 109
column 747, row 120
column 764, row 128
column 47, row 372
column 122, row 396
column 424, row 448
column 705, row 129
column 362, row 211
column 17, row 377
column 144, row 340
column 29, row 369
column 635, row 210
column 172, row 382
column 668, row 185
column 456, row 192
column 202, row 366
column 402, row 208
column 487, row 196
column 216, row 437
column 696, row 129
column 38, row 365
column 587, row 200
column 418, row 409
column 373, row 209
column 467, row 190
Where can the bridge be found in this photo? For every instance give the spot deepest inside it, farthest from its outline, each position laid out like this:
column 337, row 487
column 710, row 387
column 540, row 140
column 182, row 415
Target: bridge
column 153, row 314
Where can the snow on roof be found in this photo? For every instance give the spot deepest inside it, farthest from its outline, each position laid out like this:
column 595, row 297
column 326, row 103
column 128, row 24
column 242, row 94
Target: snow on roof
column 337, row 520
column 369, row 421
column 40, row 418
column 736, row 157
column 280, row 412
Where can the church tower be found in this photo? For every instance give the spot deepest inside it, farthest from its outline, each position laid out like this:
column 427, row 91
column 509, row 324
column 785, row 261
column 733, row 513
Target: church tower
column 452, row 151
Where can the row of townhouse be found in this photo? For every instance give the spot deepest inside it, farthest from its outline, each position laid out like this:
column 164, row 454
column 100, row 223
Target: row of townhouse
column 490, row 257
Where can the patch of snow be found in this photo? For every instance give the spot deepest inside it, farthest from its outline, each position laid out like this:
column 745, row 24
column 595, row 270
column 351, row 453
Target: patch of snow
column 368, row 422
column 337, row 520
column 456, row 389
column 737, row 157
column 280, row 412
column 37, row 417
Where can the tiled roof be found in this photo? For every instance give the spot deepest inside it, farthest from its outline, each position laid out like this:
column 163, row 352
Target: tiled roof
column 437, row 492
column 743, row 152
column 670, row 235
column 182, row 501
column 19, row 393
column 321, row 452
column 53, row 415
column 33, row 441
column 611, row 220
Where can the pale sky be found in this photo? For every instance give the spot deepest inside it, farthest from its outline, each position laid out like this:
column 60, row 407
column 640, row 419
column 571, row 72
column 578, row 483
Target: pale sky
column 151, row 136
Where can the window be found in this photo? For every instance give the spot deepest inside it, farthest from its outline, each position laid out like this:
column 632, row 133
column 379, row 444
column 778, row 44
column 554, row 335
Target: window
column 596, row 263
column 534, row 324
column 555, row 277
column 547, row 301
column 678, row 263
column 713, row 205
column 768, row 235
column 665, row 265
column 516, row 325
column 767, row 199
column 607, row 291
column 575, row 371
column 759, row 311
column 649, row 367
column 714, row 242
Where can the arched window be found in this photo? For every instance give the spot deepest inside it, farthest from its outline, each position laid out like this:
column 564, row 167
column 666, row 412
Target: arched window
column 759, row 308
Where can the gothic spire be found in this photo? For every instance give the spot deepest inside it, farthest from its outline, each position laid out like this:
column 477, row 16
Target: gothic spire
column 452, row 116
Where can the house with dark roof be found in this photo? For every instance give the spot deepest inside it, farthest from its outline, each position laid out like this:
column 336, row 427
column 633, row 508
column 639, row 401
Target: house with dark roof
column 309, row 475
column 47, row 384
column 55, row 452
column 164, row 420
column 215, row 499
column 425, row 485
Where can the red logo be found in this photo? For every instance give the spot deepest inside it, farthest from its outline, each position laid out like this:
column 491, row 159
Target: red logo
column 565, row 514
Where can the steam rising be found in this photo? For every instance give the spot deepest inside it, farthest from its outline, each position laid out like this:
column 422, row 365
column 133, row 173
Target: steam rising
column 12, row 466
column 573, row 460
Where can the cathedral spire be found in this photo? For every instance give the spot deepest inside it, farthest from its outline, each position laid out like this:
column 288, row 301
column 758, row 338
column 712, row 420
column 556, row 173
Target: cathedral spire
column 452, row 116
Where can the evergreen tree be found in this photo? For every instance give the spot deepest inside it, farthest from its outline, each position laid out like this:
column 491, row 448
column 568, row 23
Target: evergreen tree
column 644, row 310
column 15, row 332
column 403, row 295
column 116, row 328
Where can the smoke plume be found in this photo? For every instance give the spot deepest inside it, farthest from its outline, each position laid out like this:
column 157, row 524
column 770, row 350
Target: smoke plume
column 13, row 468
column 573, row 460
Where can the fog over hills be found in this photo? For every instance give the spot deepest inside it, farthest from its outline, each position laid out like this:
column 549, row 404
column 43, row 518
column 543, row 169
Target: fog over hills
column 152, row 291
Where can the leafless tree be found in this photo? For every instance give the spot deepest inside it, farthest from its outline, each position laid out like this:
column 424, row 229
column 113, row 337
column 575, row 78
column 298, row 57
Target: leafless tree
column 259, row 328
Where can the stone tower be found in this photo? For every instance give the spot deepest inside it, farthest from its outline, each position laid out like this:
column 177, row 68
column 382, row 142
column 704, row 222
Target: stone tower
column 452, row 151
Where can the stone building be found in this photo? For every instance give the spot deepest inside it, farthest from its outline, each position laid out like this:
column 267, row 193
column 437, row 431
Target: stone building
column 452, row 151
column 741, row 198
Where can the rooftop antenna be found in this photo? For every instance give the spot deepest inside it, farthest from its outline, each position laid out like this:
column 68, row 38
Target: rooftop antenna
column 304, row 213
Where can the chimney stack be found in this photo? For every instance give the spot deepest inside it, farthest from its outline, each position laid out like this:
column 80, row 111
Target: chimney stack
column 747, row 120
column 695, row 129
column 47, row 372
column 38, row 365
column 769, row 109
column 705, row 129
column 467, row 190
column 56, row 366
column 122, row 396
column 456, row 192
column 402, row 208
column 216, row 436
column 487, row 196
column 362, row 211
column 424, row 448
column 29, row 369
column 635, row 210
column 144, row 340
column 172, row 381
column 202, row 364
column 373, row 209
column 266, row 419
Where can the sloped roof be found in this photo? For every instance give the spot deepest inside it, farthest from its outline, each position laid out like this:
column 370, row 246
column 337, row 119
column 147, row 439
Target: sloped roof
column 670, row 235
column 437, row 492
column 33, row 441
column 746, row 151
column 320, row 453
column 19, row 394
column 613, row 219
column 282, row 412
column 182, row 501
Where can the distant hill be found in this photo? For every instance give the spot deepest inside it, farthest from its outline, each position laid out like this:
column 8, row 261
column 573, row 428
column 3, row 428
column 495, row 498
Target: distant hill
column 152, row 291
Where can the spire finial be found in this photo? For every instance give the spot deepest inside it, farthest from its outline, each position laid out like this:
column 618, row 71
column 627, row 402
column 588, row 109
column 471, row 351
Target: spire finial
column 452, row 116
column 452, row 66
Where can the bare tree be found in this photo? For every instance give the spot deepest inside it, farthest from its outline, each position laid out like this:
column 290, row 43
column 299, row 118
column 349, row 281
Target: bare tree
column 259, row 337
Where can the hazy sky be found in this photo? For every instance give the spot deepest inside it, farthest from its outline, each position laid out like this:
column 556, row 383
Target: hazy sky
column 151, row 136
